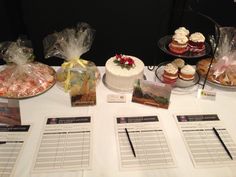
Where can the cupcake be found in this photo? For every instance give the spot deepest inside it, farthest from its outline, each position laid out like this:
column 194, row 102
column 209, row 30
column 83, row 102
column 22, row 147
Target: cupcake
column 182, row 31
column 187, row 73
column 196, row 42
column 170, row 74
column 178, row 62
column 179, row 44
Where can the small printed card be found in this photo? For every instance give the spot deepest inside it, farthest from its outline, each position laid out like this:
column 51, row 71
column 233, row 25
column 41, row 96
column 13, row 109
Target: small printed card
column 116, row 98
column 152, row 93
column 205, row 94
column 9, row 115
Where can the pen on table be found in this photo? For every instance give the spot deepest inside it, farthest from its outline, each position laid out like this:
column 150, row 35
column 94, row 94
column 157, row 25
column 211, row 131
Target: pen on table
column 130, row 142
column 3, row 142
column 222, row 142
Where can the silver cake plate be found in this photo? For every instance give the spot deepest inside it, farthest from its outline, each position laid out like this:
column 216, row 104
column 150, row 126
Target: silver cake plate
column 115, row 89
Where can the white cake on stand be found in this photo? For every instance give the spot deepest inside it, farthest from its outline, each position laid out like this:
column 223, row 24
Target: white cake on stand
column 122, row 71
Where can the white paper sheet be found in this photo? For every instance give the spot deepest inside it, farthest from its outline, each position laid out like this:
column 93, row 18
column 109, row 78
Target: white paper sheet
column 202, row 143
column 65, row 145
column 149, row 141
column 12, row 139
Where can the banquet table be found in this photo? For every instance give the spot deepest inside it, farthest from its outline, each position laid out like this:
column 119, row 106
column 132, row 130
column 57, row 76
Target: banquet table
column 105, row 162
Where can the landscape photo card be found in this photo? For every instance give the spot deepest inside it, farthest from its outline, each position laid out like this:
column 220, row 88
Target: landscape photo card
column 9, row 115
column 152, row 93
column 84, row 93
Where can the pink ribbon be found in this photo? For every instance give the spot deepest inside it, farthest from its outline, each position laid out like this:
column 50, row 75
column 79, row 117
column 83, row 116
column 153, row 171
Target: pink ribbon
column 226, row 63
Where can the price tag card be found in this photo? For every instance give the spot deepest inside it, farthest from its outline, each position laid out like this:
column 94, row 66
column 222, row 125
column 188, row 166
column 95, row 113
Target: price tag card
column 207, row 95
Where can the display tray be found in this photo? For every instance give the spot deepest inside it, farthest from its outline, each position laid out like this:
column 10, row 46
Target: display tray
column 115, row 89
column 164, row 42
column 50, row 85
column 218, row 84
column 180, row 83
column 215, row 83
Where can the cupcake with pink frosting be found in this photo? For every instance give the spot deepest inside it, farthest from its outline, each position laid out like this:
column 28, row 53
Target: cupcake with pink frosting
column 196, row 42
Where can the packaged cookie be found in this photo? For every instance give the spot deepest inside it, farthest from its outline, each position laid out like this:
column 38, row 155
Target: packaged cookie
column 22, row 77
column 223, row 70
column 69, row 44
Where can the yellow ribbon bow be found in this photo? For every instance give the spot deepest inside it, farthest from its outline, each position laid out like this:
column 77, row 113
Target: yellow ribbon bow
column 70, row 64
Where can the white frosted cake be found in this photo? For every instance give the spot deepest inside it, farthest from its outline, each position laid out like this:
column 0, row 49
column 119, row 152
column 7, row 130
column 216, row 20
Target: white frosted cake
column 120, row 77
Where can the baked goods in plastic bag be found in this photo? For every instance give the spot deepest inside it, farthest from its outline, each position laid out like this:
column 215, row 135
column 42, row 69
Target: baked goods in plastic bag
column 70, row 44
column 21, row 77
column 223, row 69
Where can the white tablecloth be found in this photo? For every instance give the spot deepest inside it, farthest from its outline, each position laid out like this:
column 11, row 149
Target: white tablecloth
column 104, row 156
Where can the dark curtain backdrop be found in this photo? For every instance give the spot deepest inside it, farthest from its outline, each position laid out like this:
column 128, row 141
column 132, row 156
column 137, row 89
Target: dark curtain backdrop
column 129, row 27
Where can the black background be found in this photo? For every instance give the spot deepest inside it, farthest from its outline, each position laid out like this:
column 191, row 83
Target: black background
column 122, row 26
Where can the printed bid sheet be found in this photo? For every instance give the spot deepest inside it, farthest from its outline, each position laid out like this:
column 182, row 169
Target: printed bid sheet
column 142, row 143
column 65, row 145
column 207, row 140
column 12, row 139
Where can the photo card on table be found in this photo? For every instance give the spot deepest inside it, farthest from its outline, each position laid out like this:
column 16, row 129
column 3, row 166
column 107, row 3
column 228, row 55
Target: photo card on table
column 152, row 93
column 9, row 114
column 84, row 93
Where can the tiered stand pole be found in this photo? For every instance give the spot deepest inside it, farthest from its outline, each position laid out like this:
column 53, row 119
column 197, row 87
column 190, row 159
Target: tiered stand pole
column 213, row 45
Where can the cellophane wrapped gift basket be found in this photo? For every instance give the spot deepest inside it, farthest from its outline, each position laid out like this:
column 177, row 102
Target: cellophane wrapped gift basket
column 22, row 77
column 76, row 75
column 223, row 68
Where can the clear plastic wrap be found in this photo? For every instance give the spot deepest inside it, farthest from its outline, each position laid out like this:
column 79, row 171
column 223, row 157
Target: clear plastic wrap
column 223, row 70
column 70, row 44
column 21, row 77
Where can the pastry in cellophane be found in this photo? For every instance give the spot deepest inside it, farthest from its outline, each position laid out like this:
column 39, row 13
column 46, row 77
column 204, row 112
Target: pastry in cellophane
column 21, row 77
column 223, row 68
column 227, row 77
column 76, row 75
